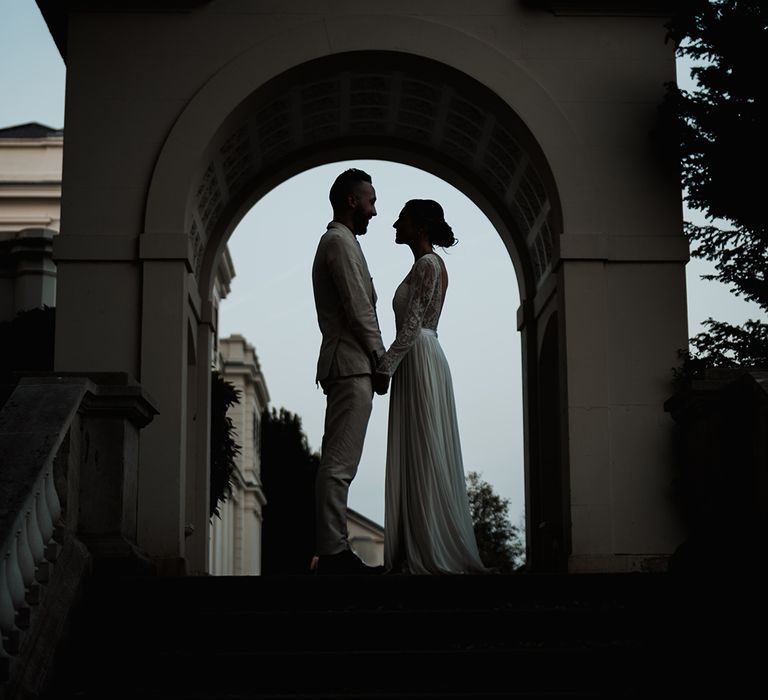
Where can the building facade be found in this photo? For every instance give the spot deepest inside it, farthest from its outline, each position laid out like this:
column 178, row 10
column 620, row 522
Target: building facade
column 366, row 538
column 30, row 216
column 235, row 545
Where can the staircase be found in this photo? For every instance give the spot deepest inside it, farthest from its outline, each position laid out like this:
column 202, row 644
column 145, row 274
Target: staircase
column 296, row 638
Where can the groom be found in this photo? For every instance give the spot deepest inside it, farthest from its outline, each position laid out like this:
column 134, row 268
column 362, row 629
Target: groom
column 345, row 301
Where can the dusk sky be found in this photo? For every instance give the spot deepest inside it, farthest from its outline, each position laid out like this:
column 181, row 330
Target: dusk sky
column 271, row 300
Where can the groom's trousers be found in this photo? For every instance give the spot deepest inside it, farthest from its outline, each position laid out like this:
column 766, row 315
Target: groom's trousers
column 348, row 407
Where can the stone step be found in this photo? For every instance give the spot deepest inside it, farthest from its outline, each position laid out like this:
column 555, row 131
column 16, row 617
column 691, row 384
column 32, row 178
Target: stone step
column 374, row 630
column 513, row 592
column 146, row 694
column 602, row 636
column 370, row 672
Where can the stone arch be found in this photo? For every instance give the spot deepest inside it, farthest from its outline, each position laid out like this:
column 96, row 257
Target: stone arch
column 385, row 105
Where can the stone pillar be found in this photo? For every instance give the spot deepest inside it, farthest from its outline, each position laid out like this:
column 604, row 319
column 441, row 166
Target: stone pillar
column 586, row 328
column 164, row 348
column 625, row 319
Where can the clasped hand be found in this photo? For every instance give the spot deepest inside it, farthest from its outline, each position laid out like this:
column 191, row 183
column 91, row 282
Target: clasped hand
column 380, row 383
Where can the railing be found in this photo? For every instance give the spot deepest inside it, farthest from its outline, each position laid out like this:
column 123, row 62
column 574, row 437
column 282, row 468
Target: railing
column 27, row 554
column 44, row 525
column 33, row 425
column 28, row 550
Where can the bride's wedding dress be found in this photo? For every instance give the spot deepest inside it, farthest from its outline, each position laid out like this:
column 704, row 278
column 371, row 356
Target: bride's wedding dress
column 427, row 522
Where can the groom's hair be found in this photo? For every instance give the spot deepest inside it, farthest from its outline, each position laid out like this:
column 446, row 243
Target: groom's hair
column 344, row 184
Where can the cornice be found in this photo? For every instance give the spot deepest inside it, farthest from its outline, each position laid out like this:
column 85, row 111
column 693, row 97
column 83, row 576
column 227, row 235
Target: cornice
column 622, row 8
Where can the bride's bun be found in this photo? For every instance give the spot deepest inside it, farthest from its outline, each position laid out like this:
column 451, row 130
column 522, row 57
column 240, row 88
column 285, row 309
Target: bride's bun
column 428, row 213
column 440, row 233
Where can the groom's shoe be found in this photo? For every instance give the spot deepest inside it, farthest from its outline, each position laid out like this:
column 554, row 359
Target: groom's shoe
column 345, row 563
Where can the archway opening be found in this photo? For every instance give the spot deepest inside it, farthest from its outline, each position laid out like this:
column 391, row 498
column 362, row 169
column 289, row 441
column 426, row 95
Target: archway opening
column 271, row 305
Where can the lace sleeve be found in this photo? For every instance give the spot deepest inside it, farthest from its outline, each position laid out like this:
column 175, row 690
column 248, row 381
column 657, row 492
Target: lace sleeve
column 424, row 284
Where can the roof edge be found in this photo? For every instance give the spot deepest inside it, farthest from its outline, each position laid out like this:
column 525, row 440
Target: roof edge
column 30, row 130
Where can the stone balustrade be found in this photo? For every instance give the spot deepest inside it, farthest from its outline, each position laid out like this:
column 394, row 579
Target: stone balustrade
column 68, row 464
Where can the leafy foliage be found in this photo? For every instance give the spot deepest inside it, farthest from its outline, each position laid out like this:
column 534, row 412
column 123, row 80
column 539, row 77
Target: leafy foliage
column 717, row 130
column 727, row 346
column 500, row 543
column 224, row 449
column 288, row 470
column 740, row 257
column 721, row 123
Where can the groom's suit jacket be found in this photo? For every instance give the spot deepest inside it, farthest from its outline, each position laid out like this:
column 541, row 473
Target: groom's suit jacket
column 346, row 306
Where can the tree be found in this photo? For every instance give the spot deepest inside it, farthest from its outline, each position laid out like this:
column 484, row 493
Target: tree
column 224, row 449
column 500, row 543
column 288, row 470
column 717, row 130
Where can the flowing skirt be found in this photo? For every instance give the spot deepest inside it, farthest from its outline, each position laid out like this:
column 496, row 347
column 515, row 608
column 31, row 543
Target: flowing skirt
column 427, row 522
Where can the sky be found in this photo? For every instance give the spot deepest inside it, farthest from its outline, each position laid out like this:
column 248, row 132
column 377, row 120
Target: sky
column 271, row 300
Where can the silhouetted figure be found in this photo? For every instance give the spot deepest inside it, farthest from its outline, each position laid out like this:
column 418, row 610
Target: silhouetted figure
column 345, row 300
column 427, row 522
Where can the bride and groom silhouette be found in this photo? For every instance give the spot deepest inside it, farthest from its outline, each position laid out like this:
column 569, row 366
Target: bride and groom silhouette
column 427, row 522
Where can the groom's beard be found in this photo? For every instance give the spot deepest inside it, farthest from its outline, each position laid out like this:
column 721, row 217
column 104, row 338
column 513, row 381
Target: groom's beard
column 361, row 226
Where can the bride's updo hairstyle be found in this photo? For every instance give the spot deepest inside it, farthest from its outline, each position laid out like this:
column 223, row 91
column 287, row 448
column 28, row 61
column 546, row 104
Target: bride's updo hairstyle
column 429, row 214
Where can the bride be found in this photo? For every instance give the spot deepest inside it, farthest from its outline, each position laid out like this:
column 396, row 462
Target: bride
column 427, row 523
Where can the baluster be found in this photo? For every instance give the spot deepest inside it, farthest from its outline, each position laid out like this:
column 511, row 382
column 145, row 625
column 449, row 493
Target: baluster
column 36, row 544
column 54, row 505
column 44, row 520
column 26, row 560
column 13, row 573
column 7, row 611
column 7, row 615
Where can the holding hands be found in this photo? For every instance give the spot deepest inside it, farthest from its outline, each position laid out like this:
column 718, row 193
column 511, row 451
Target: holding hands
column 379, row 379
column 380, row 383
